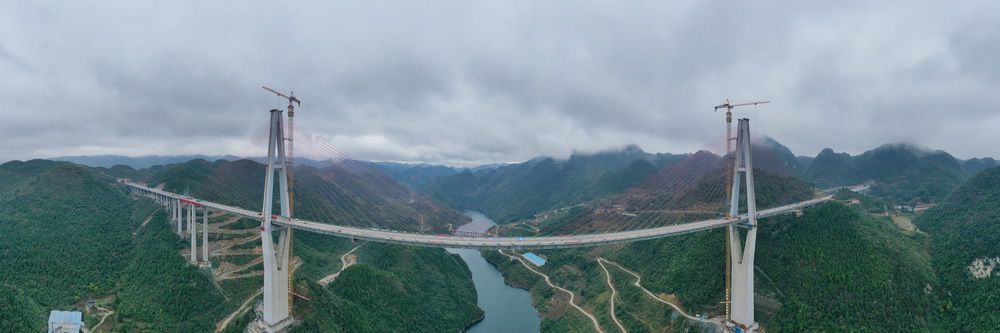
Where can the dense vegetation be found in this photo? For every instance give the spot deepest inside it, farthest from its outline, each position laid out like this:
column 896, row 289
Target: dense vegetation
column 973, row 166
column 68, row 234
column 831, row 169
column 182, row 299
column 842, row 270
column 18, row 312
column 901, row 173
column 395, row 289
column 553, row 307
column 64, row 235
column 832, row 269
column 835, row 268
column 963, row 228
column 392, row 288
column 519, row 191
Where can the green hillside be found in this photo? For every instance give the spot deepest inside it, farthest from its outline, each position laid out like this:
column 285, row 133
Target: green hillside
column 831, row 169
column 395, row 289
column 904, row 174
column 835, row 268
column 964, row 228
column 973, row 166
column 183, row 298
column 908, row 174
column 20, row 313
column 841, row 270
column 68, row 234
column 520, row 191
column 64, row 235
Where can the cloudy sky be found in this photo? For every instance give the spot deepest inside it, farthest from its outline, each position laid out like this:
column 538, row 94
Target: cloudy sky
column 471, row 82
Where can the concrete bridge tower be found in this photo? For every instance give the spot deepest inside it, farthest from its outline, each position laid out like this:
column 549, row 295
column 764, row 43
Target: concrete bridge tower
column 276, row 305
column 742, row 255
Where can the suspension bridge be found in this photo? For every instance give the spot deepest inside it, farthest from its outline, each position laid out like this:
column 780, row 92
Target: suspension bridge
column 349, row 206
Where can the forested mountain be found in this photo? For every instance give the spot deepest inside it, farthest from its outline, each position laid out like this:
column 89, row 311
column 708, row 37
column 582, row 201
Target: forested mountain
column 519, row 191
column 837, row 267
column 805, row 162
column 18, row 312
column 415, row 175
column 431, row 287
column 901, row 173
column 964, row 230
column 394, row 289
column 64, row 232
column 139, row 162
column 973, row 166
column 831, row 169
column 69, row 233
column 773, row 156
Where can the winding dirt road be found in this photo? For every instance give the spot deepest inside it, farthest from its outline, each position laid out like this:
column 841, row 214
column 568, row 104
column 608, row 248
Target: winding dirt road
column 344, row 263
column 572, row 297
column 614, row 293
column 637, row 283
column 222, row 324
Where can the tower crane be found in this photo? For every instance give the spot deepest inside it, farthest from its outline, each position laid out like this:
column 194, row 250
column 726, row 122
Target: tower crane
column 729, row 120
column 729, row 189
column 291, row 184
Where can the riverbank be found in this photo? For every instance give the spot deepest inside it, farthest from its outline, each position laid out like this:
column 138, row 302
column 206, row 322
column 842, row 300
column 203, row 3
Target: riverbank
column 507, row 308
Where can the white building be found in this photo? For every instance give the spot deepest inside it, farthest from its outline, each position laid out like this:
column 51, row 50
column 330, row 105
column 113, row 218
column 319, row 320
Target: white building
column 65, row 321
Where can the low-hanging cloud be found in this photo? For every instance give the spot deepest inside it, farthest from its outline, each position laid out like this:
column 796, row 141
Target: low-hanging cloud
column 465, row 83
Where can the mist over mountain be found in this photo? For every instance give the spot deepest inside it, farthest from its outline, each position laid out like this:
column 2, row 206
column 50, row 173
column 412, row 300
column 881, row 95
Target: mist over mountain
column 901, row 172
column 973, row 166
column 136, row 162
column 771, row 155
column 521, row 190
column 959, row 233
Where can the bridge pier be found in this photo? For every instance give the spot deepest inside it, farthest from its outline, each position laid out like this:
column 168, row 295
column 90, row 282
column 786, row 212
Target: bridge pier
column 178, row 216
column 193, row 232
column 742, row 255
column 204, row 240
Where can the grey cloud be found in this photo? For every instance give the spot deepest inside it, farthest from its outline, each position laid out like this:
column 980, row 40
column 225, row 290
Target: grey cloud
column 469, row 82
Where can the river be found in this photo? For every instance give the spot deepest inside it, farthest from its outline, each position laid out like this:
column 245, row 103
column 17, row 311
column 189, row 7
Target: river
column 508, row 309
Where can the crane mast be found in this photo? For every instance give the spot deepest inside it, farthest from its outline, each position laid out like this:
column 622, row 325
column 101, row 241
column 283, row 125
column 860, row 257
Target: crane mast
column 291, row 184
column 729, row 189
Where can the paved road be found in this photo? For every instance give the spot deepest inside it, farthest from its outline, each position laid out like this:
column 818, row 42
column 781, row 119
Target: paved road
column 517, row 243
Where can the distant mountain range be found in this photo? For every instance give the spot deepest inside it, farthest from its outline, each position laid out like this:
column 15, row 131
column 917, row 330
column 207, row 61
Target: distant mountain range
column 137, row 162
column 865, row 274
column 133, row 167
column 900, row 172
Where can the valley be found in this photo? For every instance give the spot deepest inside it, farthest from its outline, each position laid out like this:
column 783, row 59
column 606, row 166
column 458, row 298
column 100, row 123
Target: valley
column 874, row 270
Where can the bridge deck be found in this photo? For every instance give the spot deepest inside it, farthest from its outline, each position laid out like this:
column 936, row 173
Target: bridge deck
column 547, row 242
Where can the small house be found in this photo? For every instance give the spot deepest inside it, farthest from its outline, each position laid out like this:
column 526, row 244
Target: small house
column 65, row 321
